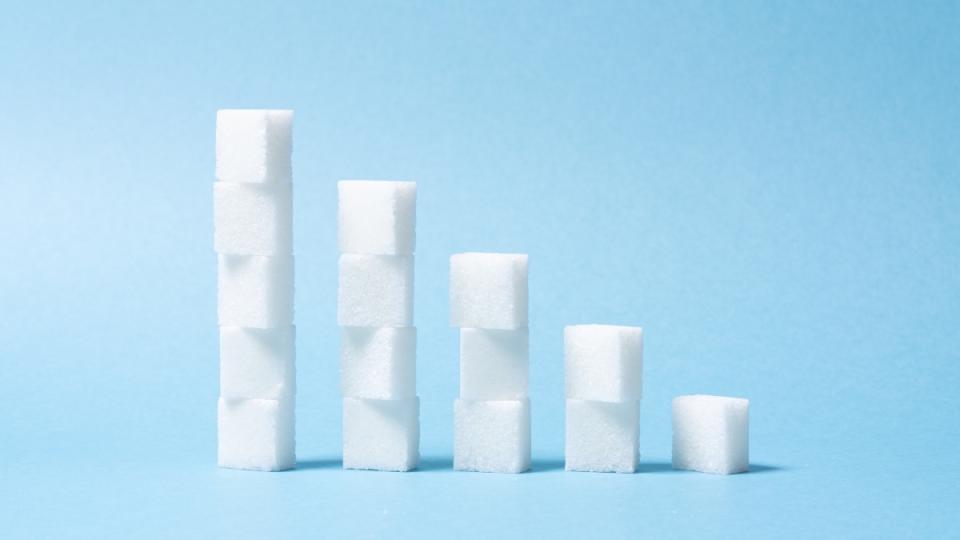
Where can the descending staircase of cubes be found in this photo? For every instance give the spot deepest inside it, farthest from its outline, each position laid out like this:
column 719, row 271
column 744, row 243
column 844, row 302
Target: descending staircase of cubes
column 253, row 239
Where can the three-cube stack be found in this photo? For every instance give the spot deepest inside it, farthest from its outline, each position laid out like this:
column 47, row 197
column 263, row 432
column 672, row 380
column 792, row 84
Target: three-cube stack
column 604, row 383
column 378, row 341
column 253, row 238
column 488, row 302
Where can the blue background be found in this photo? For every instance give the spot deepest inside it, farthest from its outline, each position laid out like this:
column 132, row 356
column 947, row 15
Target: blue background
column 769, row 188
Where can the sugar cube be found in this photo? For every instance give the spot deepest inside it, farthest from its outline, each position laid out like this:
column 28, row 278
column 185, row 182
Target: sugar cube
column 488, row 290
column 602, row 436
column 255, row 291
column 375, row 290
column 378, row 363
column 711, row 434
column 381, row 434
column 377, row 217
column 491, row 436
column 253, row 219
column 494, row 364
column 603, row 362
column 254, row 145
column 256, row 434
column 257, row 363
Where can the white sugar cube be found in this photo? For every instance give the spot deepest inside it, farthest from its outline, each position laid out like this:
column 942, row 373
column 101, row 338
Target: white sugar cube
column 375, row 290
column 491, row 436
column 711, row 434
column 255, row 434
column 253, row 219
column 382, row 435
column 255, row 291
column 257, row 363
column 488, row 290
column 603, row 362
column 378, row 363
column 602, row 436
column 377, row 217
column 254, row 145
column 494, row 364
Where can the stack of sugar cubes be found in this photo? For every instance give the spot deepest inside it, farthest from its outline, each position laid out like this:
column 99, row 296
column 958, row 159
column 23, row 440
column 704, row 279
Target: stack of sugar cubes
column 253, row 239
column 603, row 367
column 378, row 341
column 488, row 302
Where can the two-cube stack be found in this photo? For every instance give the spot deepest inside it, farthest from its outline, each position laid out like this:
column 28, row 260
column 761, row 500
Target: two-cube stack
column 488, row 302
column 378, row 341
column 253, row 238
column 604, row 382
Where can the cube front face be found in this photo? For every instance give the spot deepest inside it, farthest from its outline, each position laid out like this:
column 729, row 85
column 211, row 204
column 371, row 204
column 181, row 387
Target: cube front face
column 257, row 363
column 711, row 434
column 602, row 436
column 381, row 435
column 253, row 219
column 494, row 364
column 378, row 363
column 603, row 363
column 491, row 436
column 254, row 145
column 256, row 434
column 255, row 291
column 375, row 291
column 377, row 217
column 488, row 290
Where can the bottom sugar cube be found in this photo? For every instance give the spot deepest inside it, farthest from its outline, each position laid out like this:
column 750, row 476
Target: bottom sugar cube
column 381, row 434
column 711, row 434
column 256, row 434
column 491, row 436
column 602, row 436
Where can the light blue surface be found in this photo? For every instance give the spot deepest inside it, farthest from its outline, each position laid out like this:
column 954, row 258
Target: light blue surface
column 770, row 189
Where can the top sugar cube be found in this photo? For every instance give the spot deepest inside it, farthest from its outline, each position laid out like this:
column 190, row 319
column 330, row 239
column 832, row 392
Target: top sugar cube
column 377, row 217
column 603, row 362
column 254, row 145
column 488, row 290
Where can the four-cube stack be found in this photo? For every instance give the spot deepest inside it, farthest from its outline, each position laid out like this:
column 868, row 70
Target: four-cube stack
column 488, row 302
column 253, row 239
column 378, row 341
column 604, row 382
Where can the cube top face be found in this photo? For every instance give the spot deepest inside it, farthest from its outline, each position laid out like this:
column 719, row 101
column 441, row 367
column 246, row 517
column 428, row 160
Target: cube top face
column 254, row 145
column 377, row 217
column 711, row 434
column 488, row 290
column 603, row 362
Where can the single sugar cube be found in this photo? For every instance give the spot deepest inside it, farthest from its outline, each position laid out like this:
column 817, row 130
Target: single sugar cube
column 255, row 434
column 711, row 434
column 253, row 219
column 257, row 363
column 381, row 434
column 491, row 436
column 375, row 290
column 603, row 362
column 494, row 364
column 378, row 363
column 255, row 290
column 254, row 145
column 377, row 217
column 488, row 290
column 602, row 436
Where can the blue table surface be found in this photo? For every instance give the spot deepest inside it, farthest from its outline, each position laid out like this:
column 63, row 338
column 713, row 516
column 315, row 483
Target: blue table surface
column 770, row 190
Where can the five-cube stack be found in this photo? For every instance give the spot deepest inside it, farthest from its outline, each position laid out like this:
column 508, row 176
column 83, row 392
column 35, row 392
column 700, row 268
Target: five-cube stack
column 253, row 238
column 488, row 302
column 378, row 341
column 604, row 383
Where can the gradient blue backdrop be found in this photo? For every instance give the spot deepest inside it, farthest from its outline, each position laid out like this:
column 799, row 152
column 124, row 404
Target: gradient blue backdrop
column 769, row 188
